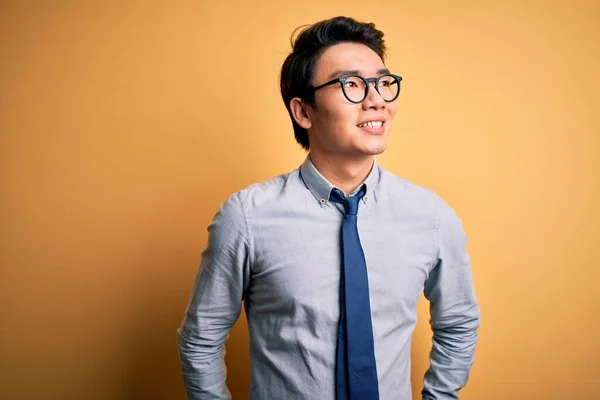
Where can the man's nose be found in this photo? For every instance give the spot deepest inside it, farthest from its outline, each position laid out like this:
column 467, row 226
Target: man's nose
column 374, row 99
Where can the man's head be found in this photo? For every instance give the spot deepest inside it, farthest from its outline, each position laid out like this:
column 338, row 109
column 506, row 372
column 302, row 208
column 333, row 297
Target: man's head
column 331, row 119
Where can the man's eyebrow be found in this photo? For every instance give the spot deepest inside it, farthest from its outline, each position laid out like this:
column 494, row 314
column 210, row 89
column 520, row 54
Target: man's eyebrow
column 338, row 74
column 346, row 72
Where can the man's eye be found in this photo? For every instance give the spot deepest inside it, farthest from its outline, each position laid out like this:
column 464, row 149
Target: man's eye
column 350, row 84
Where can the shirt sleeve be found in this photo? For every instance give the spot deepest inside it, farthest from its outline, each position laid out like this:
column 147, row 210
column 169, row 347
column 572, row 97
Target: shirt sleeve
column 453, row 309
column 215, row 303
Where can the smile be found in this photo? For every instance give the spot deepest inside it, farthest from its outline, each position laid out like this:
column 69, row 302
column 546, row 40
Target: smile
column 371, row 124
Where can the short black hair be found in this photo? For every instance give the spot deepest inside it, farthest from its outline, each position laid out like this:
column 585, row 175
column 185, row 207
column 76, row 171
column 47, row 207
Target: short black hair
column 298, row 69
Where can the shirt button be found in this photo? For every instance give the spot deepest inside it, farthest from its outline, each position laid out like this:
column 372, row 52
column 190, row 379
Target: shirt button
column 366, row 198
column 322, row 201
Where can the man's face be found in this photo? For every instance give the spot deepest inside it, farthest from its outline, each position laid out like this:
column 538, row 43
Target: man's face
column 338, row 125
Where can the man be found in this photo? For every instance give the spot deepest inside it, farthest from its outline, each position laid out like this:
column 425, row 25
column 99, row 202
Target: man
column 331, row 259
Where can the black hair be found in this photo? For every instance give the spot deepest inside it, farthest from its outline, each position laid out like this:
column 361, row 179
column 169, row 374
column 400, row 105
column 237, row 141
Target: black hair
column 298, row 69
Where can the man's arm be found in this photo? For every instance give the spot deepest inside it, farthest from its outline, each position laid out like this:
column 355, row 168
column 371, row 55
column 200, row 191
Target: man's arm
column 453, row 308
column 215, row 304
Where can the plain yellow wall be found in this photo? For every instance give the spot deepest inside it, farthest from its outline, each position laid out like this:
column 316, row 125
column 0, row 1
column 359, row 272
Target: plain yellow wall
column 124, row 126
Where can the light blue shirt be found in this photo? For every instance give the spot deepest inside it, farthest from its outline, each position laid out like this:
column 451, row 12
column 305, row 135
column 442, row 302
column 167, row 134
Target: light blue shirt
column 275, row 246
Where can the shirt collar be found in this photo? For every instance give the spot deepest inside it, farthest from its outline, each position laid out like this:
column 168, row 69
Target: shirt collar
column 321, row 188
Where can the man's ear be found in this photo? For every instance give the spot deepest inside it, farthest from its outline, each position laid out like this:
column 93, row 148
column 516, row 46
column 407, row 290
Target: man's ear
column 300, row 113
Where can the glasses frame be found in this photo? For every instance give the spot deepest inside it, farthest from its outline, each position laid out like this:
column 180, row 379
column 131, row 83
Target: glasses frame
column 367, row 81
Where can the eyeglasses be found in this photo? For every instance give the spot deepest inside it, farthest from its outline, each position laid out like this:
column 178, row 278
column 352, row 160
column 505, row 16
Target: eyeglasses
column 356, row 88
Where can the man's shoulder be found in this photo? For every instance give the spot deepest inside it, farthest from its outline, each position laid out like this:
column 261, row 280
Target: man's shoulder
column 259, row 193
column 399, row 186
column 416, row 196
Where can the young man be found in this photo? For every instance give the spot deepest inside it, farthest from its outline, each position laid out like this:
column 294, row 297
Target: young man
column 331, row 258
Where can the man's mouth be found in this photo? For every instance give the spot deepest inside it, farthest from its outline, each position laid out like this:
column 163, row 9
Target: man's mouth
column 371, row 124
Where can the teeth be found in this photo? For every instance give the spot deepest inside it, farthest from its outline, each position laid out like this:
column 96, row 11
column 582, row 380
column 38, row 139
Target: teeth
column 371, row 124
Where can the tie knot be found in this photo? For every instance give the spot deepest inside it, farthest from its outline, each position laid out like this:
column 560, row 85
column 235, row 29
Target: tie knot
column 350, row 203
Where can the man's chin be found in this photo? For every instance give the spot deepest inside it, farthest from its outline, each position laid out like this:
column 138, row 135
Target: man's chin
column 376, row 144
column 375, row 149
column 377, row 152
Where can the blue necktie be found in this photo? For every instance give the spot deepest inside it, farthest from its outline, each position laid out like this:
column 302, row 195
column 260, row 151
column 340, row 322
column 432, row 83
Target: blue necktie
column 356, row 370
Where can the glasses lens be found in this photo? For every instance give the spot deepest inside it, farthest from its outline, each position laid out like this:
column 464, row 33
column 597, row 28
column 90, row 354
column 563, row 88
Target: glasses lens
column 389, row 87
column 354, row 88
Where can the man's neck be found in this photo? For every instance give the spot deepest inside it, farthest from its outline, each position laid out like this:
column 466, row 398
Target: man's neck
column 343, row 172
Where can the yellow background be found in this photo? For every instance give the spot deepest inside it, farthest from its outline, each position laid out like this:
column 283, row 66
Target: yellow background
column 124, row 126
